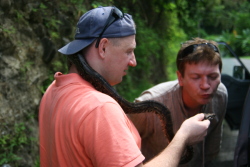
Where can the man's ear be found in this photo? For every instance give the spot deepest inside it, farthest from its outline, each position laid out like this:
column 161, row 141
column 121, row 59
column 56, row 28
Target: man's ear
column 102, row 47
column 180, row 78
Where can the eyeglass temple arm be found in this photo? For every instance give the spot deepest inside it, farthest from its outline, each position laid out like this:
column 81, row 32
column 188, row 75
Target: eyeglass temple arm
column 107, row 24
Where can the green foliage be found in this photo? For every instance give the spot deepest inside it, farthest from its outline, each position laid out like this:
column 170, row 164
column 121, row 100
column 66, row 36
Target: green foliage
column 11, row 142
column 162, row 25
column 148, row 46
column 226, row 21
column 56, row 66
column 26, row 66
column 167, row 24
column 52, row 24
column 95, row 4
column 129, row 89
column 8, row 30
column 245, row 40
column 24, row 69
column 17, row 139
column 173, row 39
column 147, row 50
column 239, row 41
column 47, row 82
column 155, row 53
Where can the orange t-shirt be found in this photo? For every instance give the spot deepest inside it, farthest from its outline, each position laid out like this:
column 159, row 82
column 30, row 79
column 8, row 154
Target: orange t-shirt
column 80, row 126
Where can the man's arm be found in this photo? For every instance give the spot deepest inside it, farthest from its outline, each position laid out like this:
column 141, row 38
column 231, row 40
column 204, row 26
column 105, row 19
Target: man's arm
column 191, row 131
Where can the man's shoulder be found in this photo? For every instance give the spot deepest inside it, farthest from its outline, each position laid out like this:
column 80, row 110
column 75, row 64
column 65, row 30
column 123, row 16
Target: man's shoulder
column 163, row 87
column 158, row 90
column 79, row 90
column 166, row 84
column 222, row 89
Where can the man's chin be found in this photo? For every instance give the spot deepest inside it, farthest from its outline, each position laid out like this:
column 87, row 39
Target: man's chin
column 116, row 83
column 205, row 101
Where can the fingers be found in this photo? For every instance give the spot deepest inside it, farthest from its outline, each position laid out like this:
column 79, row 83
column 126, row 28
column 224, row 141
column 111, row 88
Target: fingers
column 205, row 123
column 200, row 117
column 195, row 128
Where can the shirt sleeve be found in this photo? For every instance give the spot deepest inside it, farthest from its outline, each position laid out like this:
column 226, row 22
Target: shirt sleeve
column 107, row 137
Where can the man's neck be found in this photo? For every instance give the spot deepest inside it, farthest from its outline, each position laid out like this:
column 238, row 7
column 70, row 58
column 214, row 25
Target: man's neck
column 193, row 111
column 191, row 106
column 73, row 69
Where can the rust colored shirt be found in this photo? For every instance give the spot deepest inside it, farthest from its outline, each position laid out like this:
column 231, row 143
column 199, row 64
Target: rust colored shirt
column 80, row 126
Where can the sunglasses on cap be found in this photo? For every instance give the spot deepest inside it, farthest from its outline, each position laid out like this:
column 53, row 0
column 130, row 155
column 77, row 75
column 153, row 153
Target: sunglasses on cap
column 192, row 48
column 114, row 15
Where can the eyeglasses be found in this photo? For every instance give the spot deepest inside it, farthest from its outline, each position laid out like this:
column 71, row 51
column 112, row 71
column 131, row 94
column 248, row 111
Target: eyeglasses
column 192, row 48
column 114, row 15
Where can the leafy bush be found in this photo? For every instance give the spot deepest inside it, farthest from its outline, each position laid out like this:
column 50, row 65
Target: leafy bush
column 11, row 142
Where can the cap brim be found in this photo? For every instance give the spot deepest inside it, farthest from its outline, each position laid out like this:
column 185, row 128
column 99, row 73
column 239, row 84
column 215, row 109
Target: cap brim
column 75, row 46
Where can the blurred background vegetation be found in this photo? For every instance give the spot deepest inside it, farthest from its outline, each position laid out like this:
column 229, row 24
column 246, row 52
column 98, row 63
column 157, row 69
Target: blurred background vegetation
column 162, row 25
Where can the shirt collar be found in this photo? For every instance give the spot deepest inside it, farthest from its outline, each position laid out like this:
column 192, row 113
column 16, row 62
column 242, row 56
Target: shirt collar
column 65, row 79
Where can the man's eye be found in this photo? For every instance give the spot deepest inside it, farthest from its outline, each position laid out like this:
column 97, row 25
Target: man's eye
column 213, row 78
column 129, row 52
column 195, row 77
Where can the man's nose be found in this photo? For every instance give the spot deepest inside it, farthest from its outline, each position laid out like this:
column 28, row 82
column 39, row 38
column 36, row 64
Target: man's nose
column 204, row 83
column 132, row 61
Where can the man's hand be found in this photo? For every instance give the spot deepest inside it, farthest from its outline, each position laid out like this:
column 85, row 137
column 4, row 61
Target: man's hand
column 194, row 129
column 191, row 131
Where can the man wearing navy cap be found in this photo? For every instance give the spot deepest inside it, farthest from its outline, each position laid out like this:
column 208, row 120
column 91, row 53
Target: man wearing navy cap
column 81, row 126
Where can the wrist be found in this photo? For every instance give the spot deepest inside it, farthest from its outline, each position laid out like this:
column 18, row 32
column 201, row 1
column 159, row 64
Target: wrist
column 181, row 137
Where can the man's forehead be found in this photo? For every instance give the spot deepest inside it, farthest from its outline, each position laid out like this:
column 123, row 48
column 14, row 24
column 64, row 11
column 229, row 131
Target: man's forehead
column 129, row 41
column 201, row 67
column 201, row 63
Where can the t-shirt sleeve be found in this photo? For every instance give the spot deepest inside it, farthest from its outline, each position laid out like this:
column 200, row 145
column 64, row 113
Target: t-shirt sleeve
column 146, row 95
column 107, row 138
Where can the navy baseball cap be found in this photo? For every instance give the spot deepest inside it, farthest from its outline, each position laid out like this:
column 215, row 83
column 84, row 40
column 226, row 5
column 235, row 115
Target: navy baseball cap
column 107, row 22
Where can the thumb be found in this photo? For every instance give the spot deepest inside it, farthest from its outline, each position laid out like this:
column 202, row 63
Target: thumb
column 199, row 117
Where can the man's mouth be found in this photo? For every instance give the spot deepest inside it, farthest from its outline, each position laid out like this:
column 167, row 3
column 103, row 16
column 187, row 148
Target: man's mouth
column 206, row 96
